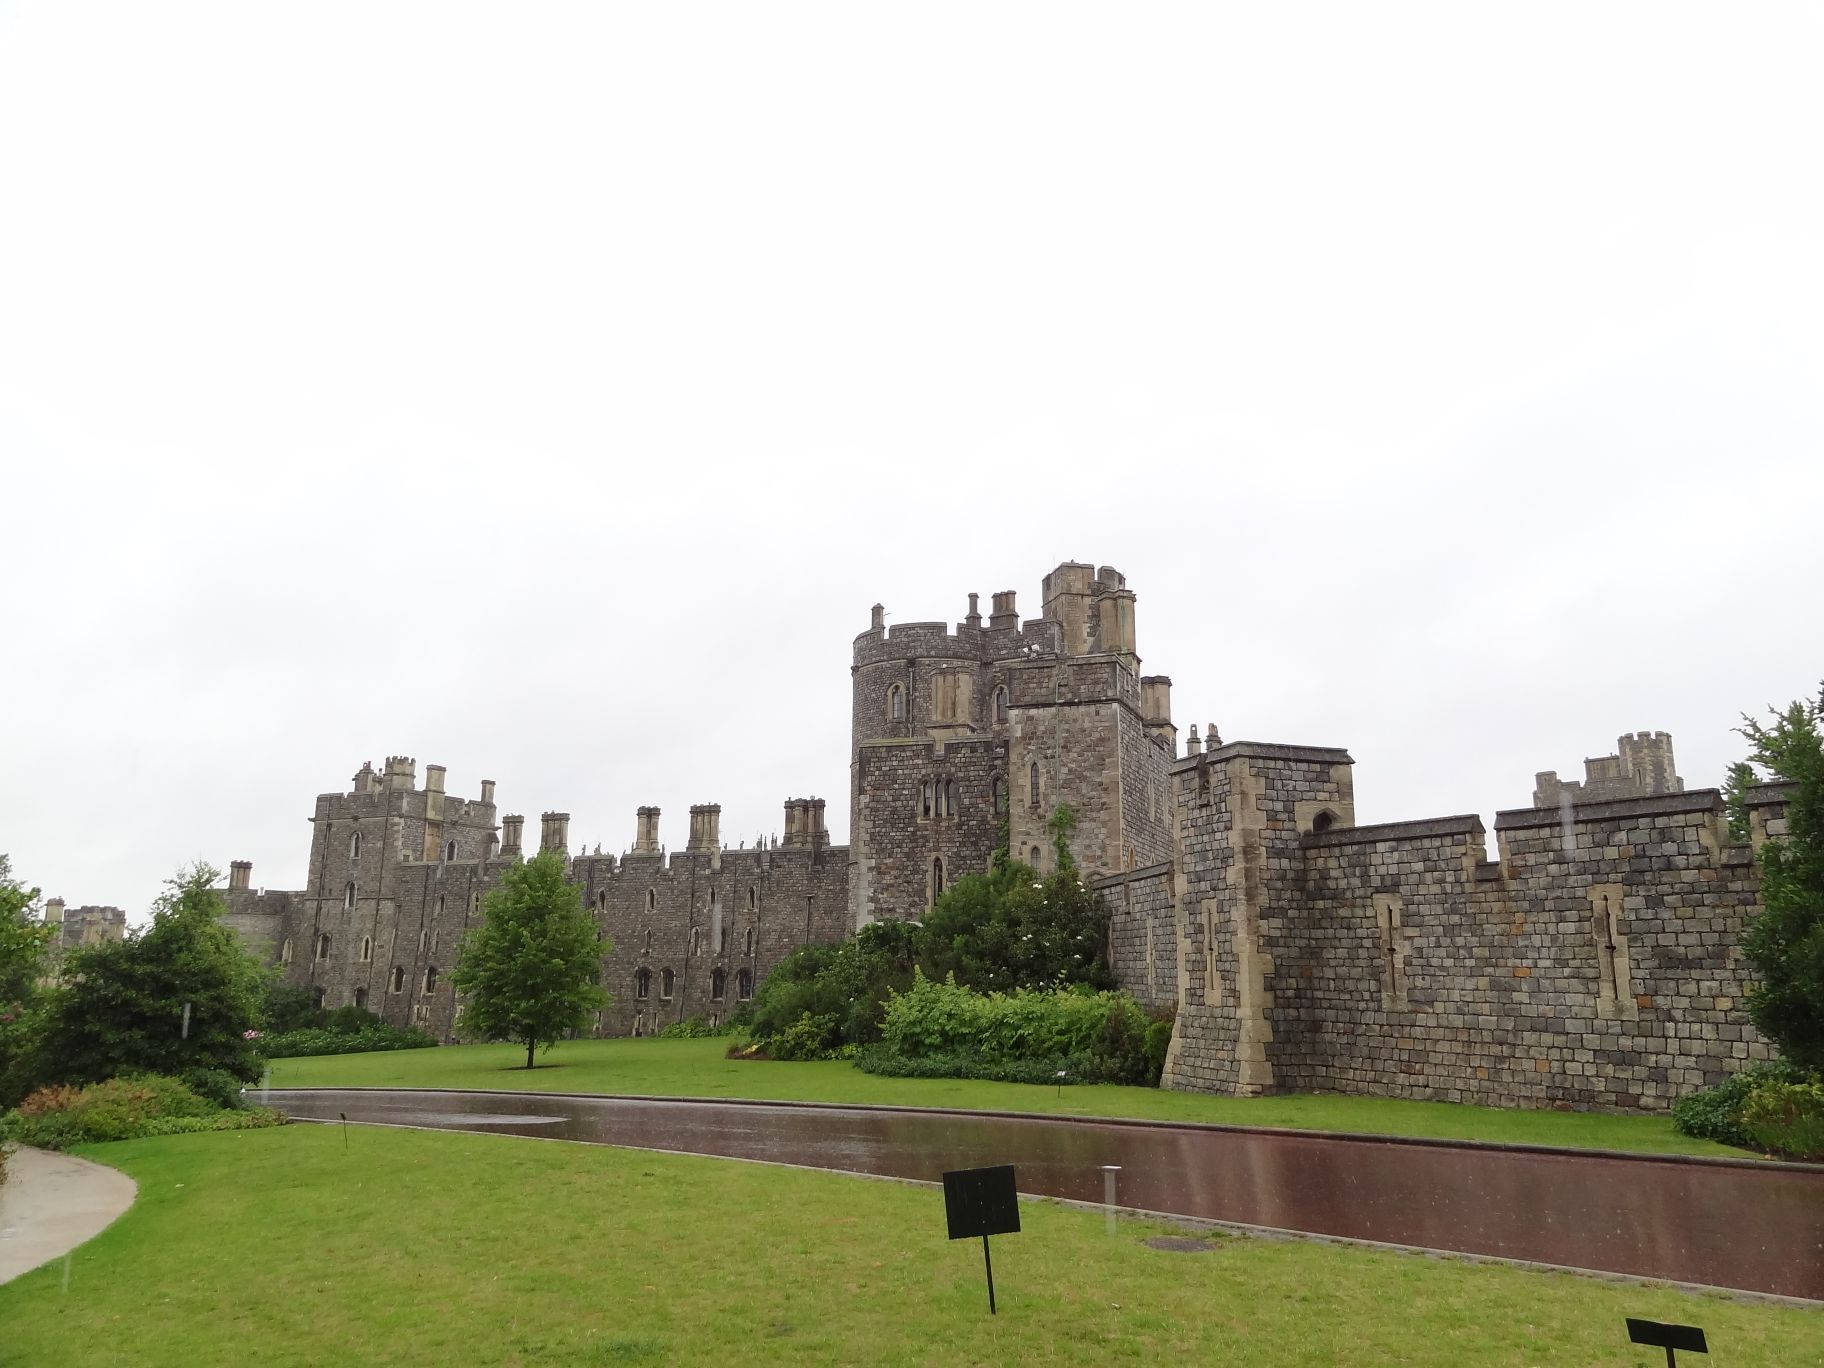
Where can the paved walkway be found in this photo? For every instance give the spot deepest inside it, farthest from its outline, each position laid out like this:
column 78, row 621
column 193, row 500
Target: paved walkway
column 50, row 1203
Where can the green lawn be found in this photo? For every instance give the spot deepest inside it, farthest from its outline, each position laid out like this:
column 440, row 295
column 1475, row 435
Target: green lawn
column 281, row 1247
column 697, row 1068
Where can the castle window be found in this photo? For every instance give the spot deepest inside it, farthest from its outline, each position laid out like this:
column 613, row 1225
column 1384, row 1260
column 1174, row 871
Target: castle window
column 449, row 851
column 652, row 900
column 718, row 983
column 397, row 983
column 367, row 949
column 696, row 940
column 937, row 878
column 928, row 799
column 317, row 995
column 601, row 901
column 750, row 941
column 1032, row 785
column 285, row 953
column 361, row 998
column 348, row 896
column 440, row 904
column 642, row 985
column 430, row 978
column 665, row 983
column 721, row 937
column 323, row 947
column 950, row 798
column 744, row 985
column 753, row 898
column 896, row 704
column 1323, row 821
column 1036, row 856
column 997, row 795
column 424, row 939
column 1000, row 704
column 354, row 846
column 649, row 940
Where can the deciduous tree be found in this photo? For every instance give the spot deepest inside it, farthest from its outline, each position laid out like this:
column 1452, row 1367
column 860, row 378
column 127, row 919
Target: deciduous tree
column 531, row 970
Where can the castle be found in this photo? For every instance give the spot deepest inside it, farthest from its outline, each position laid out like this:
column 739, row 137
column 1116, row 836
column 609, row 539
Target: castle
column 1593, row 963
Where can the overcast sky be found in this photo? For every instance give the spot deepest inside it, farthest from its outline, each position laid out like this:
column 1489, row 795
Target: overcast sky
column 547, row 391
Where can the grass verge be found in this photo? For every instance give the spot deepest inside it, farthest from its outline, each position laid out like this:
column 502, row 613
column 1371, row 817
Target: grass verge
column 281, row 1247
column 696, row 1068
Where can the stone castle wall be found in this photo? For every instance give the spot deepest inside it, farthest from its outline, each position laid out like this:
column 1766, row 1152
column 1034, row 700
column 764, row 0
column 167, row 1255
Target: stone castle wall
column 1595, row 964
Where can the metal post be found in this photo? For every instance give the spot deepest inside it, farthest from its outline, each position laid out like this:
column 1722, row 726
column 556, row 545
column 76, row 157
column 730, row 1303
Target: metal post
column 1108, row 1195
column 988, row 1264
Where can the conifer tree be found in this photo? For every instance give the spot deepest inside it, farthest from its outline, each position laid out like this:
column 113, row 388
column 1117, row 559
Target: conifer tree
column 531, row 970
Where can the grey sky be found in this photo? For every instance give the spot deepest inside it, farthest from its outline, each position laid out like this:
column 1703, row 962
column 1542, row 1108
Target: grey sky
column 547, row 391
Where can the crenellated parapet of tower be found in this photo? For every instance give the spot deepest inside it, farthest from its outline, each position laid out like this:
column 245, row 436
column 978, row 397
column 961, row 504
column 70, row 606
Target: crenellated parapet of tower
column 1641, row 766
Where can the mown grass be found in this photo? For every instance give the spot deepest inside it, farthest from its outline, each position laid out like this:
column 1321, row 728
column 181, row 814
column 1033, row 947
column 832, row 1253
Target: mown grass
column 281, row 1247
column 697, row 1068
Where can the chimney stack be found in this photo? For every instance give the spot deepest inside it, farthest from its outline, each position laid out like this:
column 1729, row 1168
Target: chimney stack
column 646, row 836
column 705, row 826
column 240, row 875
column 487, row 792
column 511, row 828
column 554, row 832
column 433, row 778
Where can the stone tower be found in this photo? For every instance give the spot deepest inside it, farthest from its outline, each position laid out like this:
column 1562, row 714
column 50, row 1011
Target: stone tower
column 959, row 729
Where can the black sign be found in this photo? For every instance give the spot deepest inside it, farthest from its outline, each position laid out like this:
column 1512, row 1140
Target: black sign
column 1667, row 1337
column 981, row 1202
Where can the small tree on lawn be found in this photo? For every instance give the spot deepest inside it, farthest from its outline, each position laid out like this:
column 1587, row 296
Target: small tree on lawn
column 531, row 971
column 1785, row 943
column 121, row 1009
column 24, row 944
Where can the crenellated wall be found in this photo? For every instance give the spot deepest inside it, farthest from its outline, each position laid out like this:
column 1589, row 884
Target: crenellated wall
column 1596, row 963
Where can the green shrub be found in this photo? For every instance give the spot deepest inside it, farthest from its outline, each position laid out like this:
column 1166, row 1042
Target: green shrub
column 1786, row 1118
column 696, row 1028
column 318, row 1041
column 944, row 1020
column 809, row 1037
column 119, row 1109
column 848, row 982
column 881, row 1059
column 216, row 1085
column 1158, row 1041
column 1715, row 1113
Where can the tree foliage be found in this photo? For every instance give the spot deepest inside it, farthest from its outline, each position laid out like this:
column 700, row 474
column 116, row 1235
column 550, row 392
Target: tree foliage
column 842, row 989
column 1785, row 943
column 24, row 946
column 120, row 1009
column 1736, row 783
column 531, row 971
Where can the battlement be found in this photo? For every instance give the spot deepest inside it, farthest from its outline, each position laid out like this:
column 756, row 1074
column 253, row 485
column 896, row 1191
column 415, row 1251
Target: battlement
column 964, row 641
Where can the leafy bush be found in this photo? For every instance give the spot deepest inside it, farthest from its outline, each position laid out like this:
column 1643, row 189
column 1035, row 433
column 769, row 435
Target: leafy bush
column 214, row 1085
column 880, row 1059
column 1715, row 1113
column 1011, row 929
column 1787, row 1118
column 848, row 983
column 294, row 1044
column 809, row 1037
column 696, row 1028
column 118, row 1109
column 1158, row 1041
column 1108, row 1030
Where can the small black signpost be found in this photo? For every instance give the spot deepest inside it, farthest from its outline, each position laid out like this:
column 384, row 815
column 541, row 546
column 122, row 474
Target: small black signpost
column 1671, row 1338
column 982, row 1202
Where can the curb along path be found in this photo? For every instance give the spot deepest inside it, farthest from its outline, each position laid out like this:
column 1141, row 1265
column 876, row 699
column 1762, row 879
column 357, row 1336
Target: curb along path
column 50, row 1203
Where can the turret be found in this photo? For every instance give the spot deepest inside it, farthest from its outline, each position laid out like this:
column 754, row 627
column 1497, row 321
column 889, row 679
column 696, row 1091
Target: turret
column 511, row 828
column 53, row 912
column 554, row 832
column 1069, row 591
column 366, row 781
column 705, row 826
column 401, row 773
column 240, row 875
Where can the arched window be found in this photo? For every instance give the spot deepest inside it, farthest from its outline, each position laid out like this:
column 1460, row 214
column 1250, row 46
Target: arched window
column 354, row 846
column 449, row 851
column 696, row 940
column 398, row 979
column 440, row 904
column 317, row 996
column 430, row 978
column 753, row 898
column 744, row 984
column 1323, row 821
column 721, row 937
column 642, row 984
column 323, row 946
column 361, row 998
column 1036, row 855
column 950, row 798
column 1032, row 784
column 665, row 983
column 601, row 901
column 652, row 900
column 997, row 795
column 718, row 982
column 896, row 704
column 928, row 799
column 285, row 953
column 1000, row 704
column 750, row 941
column 649, row 940
column 937, row 877
column 367, row 949
column 424, row 939
column 348, row 895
